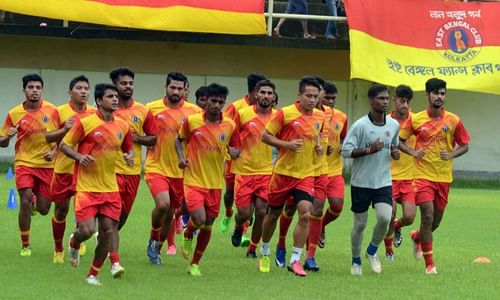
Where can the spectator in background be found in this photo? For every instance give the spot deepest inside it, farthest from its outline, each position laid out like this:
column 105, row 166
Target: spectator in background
column 295, row 7
column 331, row 27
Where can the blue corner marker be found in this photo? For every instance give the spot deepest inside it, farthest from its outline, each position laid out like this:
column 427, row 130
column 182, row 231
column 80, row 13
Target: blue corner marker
column 10, row 174
column 12, row 201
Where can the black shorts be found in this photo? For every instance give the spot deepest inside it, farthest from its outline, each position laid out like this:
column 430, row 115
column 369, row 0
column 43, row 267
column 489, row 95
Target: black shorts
column 363, row 197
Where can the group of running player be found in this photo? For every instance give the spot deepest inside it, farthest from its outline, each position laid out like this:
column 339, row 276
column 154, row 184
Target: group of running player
column 94, row 154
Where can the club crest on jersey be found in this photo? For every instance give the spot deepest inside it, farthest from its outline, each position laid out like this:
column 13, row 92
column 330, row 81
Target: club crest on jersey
column 160, row 117
column 120, row 135
column 182, row 119
column 45, row 119
column 197, row 133
column 252, row 124
column 97, row 133
column 337, row 127
column 135, row 119
column 296, row 123
column 445, row 128
column 222, row 137
column 318, row 126
column 388, row 133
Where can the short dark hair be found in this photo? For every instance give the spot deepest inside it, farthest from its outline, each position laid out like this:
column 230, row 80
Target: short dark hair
column 434, row 84
column 376, row 89
column 201, row 92
column 217, row 90
column 265, row 82
column 177, row 76
column 116, row 73
column 330, row 88
column 320, row 80
column 31, row 77
column 101, row 88
column 77, row 79
column 308, row 81
column 252, row 80
column 276, row 98
column 404, row 91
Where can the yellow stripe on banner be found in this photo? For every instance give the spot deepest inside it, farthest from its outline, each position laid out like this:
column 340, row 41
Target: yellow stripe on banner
column 176, row 18
column 387, row 63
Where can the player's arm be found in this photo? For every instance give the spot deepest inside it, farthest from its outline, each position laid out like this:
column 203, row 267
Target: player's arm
column 57, row 135
column 149, row 128
column 74, row 136
column 394, row 146
column 462, row 138
column 180, row 154
column 128, row 149
column 233, row 148
column 7, row 132
column 293, row 145
column 352, row 148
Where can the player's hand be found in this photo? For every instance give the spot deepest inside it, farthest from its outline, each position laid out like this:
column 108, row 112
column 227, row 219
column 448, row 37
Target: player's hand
column 129, row 159
column 183, row 164
column 395, row 154
column 445, row 155
column 50, row 155
column 294, row 145
column 12, row 131
column 376, row 146
column 419, row 154
column 329, row 150
column 234, row 152
column 86, row 160
column 69, row 124
column 319, row 149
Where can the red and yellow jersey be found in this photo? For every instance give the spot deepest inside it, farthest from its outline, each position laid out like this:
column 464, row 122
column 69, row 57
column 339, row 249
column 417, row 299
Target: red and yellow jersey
column 161, row 158
column 236, row 106
column 337, row 133
column 256, row 157
column 434, row 135
column 290, row 124
column 141, row 122
column 64, row 164
column 207, row 146
column 404, row 168
column 320, row 162
column 31, row 144
column 105, row 141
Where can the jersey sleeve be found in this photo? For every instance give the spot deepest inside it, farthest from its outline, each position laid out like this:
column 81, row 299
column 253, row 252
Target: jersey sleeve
column 235, row 140
column 395, row 138
column 184, row 130
column 4, row 131
column 406, row 131
column 149, row 125
column 230, row 111
column 276, row 123
column 75, row 135
column 461, row 135
column 351, row 141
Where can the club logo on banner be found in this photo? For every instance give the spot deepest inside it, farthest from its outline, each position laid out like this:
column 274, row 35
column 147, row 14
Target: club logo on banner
column 458, row 42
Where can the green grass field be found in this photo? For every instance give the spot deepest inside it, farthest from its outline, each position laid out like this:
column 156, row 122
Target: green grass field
column 469, row 229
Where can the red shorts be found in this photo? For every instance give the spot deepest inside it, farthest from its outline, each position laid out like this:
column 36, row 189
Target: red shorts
column 37, row 179
column 282, row 187
column 229, row 176
column 62, row 187
column 320, row 183
column 90, row 204
column 197, row 197
column 158, row 183
column 432, row 191
column 403, row 190
column 128, row 186
column 246, row 186
column 335, row 187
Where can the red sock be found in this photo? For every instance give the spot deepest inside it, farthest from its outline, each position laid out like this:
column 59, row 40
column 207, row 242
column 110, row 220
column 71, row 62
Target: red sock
column 58, row 228
column 95, row 267
column 73, row 245
column 314, row 232
column 398, row 224
column 25, row 237
column 427, row 252
column 285, row 222
column 201, row 243
column 155, row 233
column 331, row 214
column 388, row 244
column 245, row 227
column 254, row 242
column 190, row 229
column 229, row 211
column 114, row 257
column 171, row 236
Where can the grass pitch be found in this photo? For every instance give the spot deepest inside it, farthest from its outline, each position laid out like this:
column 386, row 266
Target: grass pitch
column 469, row 229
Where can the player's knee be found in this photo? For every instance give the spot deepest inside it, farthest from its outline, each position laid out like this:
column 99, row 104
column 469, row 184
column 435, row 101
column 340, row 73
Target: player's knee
column 304, row 217
column 163, row 206
column 336, row 206
column 408, row 218
column 317, row 212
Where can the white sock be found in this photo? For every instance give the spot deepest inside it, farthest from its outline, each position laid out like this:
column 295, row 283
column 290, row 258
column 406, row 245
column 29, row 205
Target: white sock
column 265, row 248
column 296, row 252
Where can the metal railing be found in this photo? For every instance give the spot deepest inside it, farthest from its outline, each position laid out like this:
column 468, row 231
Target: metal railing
column 270, row 15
